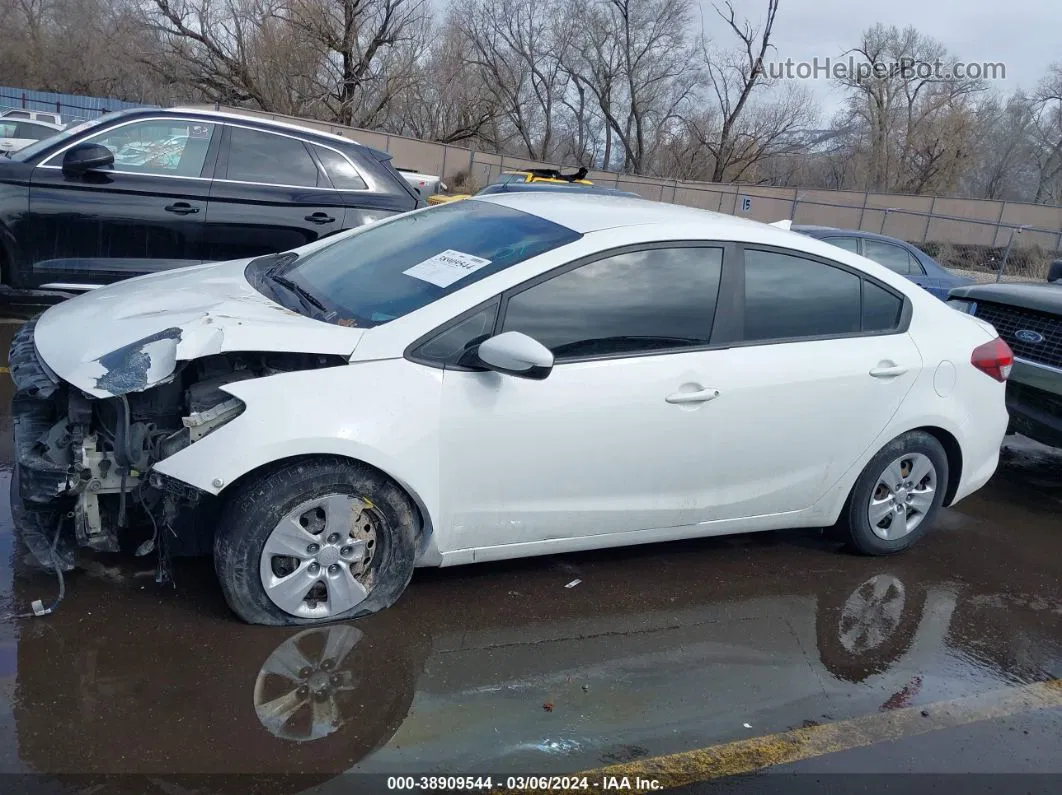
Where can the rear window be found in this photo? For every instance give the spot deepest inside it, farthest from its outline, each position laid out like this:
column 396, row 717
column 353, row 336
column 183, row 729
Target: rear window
column 28, row 129
column 393, row 268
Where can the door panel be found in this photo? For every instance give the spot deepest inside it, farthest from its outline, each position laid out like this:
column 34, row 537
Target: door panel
column 602, row 445
column 144, row 214
column 270, row 195
column 791, row 418
column 594, row 448
column 799, row 406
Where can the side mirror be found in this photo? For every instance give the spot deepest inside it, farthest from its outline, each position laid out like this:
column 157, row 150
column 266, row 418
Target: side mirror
column 516, row 354
column 86, row 157
column 1054, row 271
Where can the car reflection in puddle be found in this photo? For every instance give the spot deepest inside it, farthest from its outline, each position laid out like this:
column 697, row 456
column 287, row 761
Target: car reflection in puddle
column 305, row 690
column 457, row 675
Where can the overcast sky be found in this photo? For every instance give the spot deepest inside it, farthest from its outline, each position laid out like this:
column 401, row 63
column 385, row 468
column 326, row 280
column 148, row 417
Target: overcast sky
column 1022, row 34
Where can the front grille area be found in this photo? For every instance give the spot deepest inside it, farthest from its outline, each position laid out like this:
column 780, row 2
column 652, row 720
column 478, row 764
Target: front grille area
column 1010, row 319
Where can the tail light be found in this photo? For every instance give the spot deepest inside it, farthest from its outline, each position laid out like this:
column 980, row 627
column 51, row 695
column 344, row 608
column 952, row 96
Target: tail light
column 994, row 358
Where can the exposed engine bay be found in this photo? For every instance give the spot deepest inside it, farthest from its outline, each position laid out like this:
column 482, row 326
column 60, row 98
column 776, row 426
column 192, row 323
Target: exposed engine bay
column 90, row 459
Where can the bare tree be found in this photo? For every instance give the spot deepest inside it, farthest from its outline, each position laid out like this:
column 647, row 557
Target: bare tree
column 1048, row 137
column 732, row 77
column 636, row 60
column 212, row 46
column 1002, row 165
column 905, row 95
column 445, row 100
column 516, row 48
column 344, row 59
column 367, row 50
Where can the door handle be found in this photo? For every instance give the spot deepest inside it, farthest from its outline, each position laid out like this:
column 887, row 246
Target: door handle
column 320, row 218
column 891, row 371
column 181, row 208
column 701, row 396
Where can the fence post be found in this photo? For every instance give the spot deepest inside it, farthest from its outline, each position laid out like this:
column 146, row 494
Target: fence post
column 674, row 192
column 929, row 219
column 443, row 172
column 387, row 143
column 23, row 99
column 862, row 212
column 1002, row 210
column 793, row 209
column 884, row 220
column 1014, row 230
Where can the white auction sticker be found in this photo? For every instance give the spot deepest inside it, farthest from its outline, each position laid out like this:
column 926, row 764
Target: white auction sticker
column 446, row 267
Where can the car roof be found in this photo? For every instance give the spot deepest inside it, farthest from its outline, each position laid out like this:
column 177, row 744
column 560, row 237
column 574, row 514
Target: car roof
column 554, row 187
column 812, row 229
column 817, row 228
column 16, row 119
column 255, row 120
column 586, row 211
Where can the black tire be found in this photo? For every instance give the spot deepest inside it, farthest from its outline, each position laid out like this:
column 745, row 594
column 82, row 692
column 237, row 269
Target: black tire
column 853, row 526
column 257, row 506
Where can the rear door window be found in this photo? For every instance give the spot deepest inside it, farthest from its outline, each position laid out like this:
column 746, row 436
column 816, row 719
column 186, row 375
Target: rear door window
column 891, row 256
column 27, row 129
column 847, row 243
column 269, row 159
column 791, row 297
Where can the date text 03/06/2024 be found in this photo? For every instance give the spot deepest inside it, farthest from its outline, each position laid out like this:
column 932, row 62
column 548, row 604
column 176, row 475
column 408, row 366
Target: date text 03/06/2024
column 574, row 783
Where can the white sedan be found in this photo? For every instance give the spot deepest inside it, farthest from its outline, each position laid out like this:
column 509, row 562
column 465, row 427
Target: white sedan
column 17, row 133
column 517, row 375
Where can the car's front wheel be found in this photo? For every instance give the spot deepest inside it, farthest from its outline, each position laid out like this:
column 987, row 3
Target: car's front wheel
column 314, row 540
column 897, row 496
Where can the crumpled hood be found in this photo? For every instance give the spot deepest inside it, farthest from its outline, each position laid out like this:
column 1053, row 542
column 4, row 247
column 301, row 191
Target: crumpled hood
column 129, row 336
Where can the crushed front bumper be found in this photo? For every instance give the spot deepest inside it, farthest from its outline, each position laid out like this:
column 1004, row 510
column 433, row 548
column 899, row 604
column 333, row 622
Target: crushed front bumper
column 39, row 487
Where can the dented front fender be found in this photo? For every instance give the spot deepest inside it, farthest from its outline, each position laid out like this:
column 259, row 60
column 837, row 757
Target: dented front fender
column 133, row 335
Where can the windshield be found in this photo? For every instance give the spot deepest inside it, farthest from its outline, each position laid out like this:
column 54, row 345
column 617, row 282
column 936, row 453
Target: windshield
column 34, row 149
column 391, row 269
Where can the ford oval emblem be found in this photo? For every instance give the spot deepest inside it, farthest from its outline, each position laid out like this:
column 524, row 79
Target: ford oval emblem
column 1029, row 336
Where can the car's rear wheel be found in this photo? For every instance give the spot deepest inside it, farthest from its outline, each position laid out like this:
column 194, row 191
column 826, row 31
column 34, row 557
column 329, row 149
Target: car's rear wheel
column 897, row 496
column 315, row 540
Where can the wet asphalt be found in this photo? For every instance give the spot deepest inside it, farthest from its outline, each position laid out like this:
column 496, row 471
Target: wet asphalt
column 500, row 668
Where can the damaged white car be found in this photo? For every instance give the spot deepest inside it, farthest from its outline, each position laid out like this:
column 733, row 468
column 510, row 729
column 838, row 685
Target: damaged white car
column 494, row 378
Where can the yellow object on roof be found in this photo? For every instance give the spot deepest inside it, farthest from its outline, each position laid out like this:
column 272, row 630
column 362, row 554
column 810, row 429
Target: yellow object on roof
column 440, row 198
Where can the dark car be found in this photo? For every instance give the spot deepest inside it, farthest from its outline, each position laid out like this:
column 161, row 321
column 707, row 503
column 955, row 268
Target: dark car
column 145, row 190
column 896, row 255
column 1028, row 316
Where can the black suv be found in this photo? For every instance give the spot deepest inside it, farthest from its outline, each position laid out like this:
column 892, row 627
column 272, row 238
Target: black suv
column 145, row 190
column 1029, row 317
